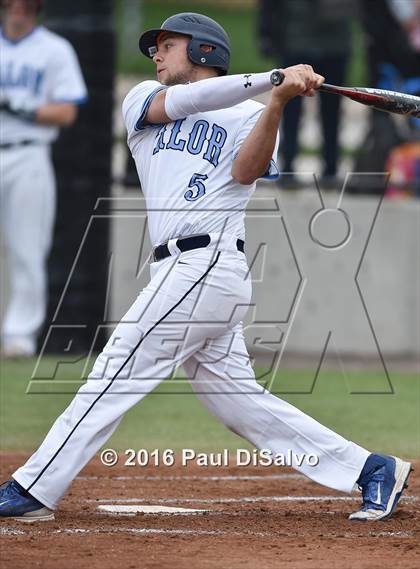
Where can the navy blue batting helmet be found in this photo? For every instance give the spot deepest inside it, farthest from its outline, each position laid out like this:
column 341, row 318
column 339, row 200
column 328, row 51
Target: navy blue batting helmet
column 202, row 30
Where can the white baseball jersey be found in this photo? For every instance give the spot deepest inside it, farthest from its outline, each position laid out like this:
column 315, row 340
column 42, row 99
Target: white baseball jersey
column 185, row 166
column 40, row 68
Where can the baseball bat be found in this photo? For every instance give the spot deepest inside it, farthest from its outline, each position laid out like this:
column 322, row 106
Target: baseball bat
column 380, row 99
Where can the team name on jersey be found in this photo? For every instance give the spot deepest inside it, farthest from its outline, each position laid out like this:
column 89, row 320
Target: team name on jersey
column 24, row 76
column 201, row 139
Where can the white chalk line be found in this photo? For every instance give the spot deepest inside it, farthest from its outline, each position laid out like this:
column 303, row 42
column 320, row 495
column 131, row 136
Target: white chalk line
column 242, row 500
column 147, row 531
column 14, row 531
column 138, row 508
column 284, row 476
column 75, row 531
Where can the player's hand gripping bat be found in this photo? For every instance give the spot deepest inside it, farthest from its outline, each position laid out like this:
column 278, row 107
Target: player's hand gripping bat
column 380, row 99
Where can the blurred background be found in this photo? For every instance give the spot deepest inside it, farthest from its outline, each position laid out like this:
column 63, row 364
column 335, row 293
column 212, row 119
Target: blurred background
column 336, row 295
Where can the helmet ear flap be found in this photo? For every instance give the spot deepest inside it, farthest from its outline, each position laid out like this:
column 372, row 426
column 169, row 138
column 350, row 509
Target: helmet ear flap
column 195, row 54
column 215, row 57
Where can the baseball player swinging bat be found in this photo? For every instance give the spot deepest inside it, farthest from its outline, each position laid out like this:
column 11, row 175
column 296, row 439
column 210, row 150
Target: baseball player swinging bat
column 380, row 99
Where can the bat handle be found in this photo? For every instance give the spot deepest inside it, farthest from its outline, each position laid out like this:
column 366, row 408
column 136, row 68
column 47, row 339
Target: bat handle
column 326, row 88
column 277, row 78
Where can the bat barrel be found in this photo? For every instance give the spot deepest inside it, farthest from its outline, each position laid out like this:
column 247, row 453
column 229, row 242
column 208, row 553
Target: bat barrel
column 380, row 99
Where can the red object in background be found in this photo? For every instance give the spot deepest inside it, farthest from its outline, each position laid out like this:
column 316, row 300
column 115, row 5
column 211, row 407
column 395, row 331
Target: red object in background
column 403, row 163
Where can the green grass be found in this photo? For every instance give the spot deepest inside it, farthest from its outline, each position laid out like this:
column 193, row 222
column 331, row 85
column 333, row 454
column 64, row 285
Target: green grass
column 239, row 22
column 387, row 422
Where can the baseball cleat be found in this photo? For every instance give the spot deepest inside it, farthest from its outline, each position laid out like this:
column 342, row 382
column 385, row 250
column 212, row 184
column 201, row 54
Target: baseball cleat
column 382, row 481
column 18, row 504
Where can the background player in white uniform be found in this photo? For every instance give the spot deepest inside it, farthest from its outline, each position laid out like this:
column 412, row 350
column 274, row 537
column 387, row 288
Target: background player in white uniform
column 40, row 87
column 199, row 146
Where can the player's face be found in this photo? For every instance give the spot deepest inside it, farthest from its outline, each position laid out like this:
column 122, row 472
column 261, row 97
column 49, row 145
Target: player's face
column 18, row 10
column 172, row 64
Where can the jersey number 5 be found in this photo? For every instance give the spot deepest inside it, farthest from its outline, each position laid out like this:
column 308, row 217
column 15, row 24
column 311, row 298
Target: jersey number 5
column 196, row 181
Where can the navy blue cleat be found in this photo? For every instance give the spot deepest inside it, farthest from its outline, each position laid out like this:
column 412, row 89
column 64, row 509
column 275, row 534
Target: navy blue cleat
column 382, row 481
column 18, row 504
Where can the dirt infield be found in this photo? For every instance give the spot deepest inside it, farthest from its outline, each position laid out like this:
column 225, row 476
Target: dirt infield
column 253, row 518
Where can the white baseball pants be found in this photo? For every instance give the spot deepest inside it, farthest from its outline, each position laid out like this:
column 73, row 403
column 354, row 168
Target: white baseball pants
column 27, row 195
column 189, row 314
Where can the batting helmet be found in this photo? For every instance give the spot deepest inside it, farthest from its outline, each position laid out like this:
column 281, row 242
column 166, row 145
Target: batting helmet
column 202, row 30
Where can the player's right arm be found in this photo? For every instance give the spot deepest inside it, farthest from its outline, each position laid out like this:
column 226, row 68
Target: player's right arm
column 256, row 151
column 156, row 113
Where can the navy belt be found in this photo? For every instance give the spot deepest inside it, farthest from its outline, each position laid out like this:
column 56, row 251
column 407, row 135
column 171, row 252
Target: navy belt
column 5, row 145
column 188, row 244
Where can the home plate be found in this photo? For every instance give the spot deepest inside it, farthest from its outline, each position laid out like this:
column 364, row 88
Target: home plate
column 140, row 508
